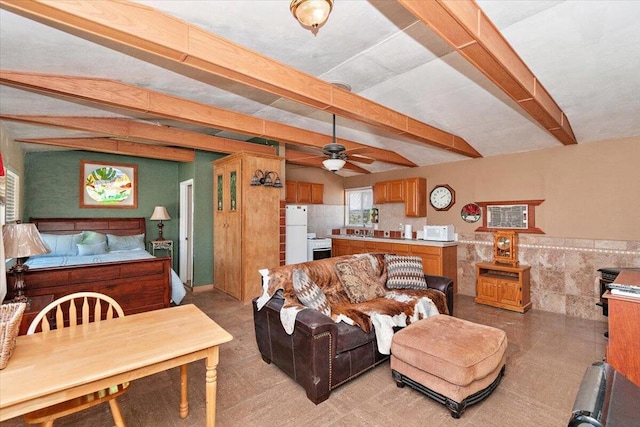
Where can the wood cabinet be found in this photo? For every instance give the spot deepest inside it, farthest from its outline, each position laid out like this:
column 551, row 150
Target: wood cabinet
column 246, row 224
column 411, row 191
column 623, row 348
column 304, row 192
column 291, row 191
column 503, row 286
column 415, row 203
column 436, row 260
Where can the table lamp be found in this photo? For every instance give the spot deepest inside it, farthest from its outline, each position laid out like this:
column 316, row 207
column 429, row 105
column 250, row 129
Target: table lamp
column 21, row 241
column 160, row 214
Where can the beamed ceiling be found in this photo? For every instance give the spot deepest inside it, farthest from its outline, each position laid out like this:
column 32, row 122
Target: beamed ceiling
column 431, row 81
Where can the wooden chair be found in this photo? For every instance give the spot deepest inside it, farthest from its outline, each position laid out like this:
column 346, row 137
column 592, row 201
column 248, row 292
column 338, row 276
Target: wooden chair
column 67, row 315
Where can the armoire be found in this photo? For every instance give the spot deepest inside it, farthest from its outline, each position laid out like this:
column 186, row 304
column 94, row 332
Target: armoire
column 246, row 222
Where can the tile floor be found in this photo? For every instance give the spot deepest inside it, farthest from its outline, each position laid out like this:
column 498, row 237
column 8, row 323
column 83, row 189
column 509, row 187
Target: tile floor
column 546, row 359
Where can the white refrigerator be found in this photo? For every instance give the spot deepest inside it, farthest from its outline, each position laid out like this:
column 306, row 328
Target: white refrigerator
column 296, row 234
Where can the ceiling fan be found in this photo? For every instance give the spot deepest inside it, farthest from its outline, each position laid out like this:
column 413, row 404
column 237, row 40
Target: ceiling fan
column 337, row 154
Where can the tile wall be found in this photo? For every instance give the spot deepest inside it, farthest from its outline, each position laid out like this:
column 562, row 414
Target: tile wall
column 564, row 272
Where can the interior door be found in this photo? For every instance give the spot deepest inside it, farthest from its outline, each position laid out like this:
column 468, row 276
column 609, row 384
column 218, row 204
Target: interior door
column 186, row 233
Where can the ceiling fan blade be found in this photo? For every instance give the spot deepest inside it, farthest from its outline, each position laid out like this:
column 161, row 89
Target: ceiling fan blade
column 361, row 159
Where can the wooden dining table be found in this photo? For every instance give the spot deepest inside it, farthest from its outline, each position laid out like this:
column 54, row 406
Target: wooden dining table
column 55, row 366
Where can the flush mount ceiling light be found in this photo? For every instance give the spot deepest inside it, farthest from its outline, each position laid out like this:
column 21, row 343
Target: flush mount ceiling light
column 311, row 13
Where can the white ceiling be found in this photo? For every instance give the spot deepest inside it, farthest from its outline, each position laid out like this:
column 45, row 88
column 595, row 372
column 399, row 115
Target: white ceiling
column 585, row 53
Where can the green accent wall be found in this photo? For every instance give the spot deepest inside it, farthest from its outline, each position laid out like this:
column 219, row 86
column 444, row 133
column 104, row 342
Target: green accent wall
column 52, row 189
column 201, row 171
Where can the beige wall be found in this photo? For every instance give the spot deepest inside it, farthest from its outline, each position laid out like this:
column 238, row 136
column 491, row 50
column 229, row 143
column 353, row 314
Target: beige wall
column 589, row 216
column 591, row 190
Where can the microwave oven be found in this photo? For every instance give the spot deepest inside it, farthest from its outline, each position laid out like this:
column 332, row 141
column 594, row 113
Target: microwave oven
column 441, row 233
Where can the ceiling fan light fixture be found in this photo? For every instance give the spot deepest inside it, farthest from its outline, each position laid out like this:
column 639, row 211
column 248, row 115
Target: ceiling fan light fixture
column 334, row 165
column 311, row 13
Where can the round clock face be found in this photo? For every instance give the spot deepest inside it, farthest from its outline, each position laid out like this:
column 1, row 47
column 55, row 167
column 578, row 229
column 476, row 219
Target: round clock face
column 442, row 197
column 504, row 243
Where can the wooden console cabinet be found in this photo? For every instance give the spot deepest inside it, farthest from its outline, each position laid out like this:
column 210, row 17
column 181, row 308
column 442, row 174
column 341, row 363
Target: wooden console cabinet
column 503, row 286
column 623, row 349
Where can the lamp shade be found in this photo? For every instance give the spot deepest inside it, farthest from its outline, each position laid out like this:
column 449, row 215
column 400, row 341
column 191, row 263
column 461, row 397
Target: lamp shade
column 333, row 165
column 22, row 240
column 160, row 214
column 311, row 13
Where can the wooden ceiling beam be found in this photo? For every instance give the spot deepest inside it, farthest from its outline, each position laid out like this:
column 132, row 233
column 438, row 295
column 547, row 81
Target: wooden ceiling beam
column 110, row 93
column 464, row 26
column 118, row 146
column 157, row 37
column 130, row 129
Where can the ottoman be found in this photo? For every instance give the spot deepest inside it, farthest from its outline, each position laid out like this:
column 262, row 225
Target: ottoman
column 453, row 361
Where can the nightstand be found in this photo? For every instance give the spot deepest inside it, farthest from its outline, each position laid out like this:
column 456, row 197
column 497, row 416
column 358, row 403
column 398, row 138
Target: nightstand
column 165, row 245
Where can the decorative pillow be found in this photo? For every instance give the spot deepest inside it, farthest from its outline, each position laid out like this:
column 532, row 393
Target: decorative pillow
column 125, row 243
column 62, row 244
column 404, row 272
column 92, row 249
column 309, row 294
column 358, row 280
column 93, row 237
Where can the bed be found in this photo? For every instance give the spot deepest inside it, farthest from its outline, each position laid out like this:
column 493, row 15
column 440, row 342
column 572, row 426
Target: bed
column 136, row 279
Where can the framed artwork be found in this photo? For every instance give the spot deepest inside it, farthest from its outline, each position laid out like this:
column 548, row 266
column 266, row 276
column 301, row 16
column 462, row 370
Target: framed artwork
column 108, row 185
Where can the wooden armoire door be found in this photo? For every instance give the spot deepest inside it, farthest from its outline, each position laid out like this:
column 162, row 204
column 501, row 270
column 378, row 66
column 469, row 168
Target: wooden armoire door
column 227, row 228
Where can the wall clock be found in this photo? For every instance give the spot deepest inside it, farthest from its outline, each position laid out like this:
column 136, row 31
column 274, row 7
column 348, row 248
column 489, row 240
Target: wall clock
column 442, row 197
column 505, row 247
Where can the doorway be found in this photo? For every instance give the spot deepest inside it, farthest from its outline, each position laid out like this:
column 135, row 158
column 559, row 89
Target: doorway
column 186, row 233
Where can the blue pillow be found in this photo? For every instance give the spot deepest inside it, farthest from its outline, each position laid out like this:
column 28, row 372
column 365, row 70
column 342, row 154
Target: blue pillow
column 61, row 244
column 125, row 243
column 92, row 249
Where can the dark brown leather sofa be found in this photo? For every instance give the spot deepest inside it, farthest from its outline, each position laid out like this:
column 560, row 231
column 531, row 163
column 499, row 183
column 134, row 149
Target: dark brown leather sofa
column 321, row 354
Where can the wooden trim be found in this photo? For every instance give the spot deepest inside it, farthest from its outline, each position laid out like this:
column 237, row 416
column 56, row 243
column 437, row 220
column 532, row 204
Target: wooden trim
column 467, row 29
column 177, row 45
column 111, row 93
column 118, row 146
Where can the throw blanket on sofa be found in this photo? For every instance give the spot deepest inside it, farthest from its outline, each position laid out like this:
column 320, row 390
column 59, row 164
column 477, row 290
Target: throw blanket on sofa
column 397, row 308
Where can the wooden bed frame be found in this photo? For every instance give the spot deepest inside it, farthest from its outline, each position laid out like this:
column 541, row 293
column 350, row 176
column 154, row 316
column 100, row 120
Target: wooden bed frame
column 138, row 285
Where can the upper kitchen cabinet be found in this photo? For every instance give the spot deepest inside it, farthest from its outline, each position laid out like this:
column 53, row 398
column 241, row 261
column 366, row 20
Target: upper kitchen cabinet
column 411, row 191
column 304, row 192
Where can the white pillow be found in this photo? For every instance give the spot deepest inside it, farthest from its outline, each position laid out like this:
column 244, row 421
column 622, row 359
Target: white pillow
column 125, row 243
column 93, row 237
column 92, row 249
column 61, row 244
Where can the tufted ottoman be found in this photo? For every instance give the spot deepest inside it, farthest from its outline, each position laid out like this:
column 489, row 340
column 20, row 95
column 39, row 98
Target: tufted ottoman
column 453, row 361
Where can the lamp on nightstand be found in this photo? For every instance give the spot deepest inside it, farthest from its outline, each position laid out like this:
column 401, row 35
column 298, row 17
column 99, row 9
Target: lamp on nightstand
column 21, row 241
column 160, row 214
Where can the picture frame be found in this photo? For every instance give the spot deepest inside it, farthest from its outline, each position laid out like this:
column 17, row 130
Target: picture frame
column 108, row 185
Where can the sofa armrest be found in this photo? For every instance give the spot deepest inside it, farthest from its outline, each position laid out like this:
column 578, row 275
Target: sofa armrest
column 444, row 285
column 307, row 354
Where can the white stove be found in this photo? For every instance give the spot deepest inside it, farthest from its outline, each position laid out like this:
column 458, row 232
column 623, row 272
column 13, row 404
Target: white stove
column 318, row 247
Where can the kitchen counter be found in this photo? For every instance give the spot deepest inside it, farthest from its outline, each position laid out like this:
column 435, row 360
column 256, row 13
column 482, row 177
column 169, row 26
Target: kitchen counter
column 390, row 240
column 438, row 258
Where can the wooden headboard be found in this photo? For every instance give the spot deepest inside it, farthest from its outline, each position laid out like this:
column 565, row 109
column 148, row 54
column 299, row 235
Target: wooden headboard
column 117, row 226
